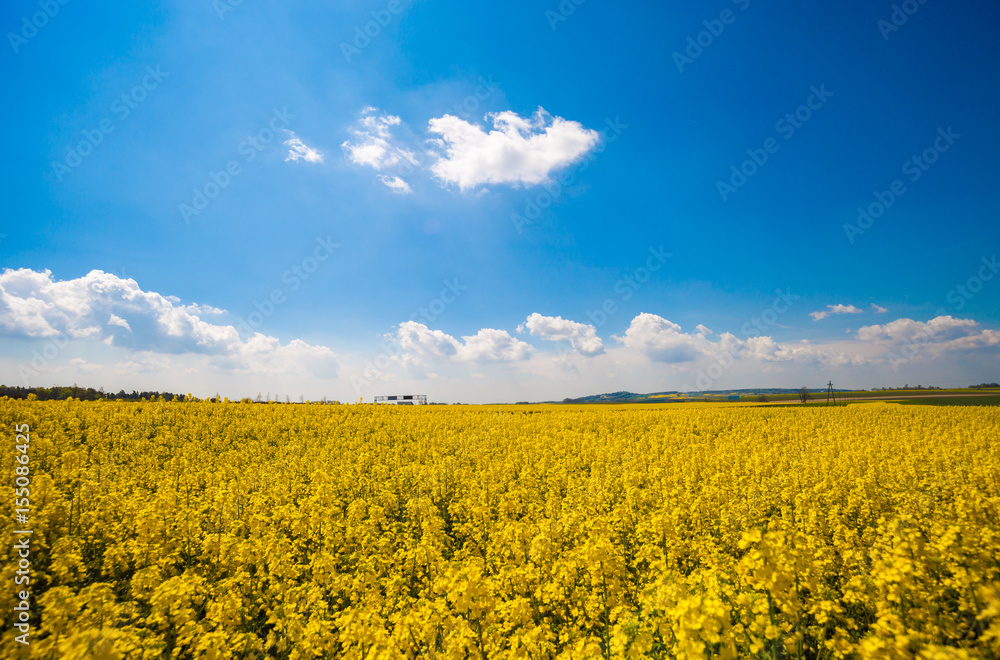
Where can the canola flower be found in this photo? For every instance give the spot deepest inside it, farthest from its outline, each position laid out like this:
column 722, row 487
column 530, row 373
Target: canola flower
column 225, row 530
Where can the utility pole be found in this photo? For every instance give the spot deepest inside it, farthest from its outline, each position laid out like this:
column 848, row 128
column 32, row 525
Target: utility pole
column 830, row 394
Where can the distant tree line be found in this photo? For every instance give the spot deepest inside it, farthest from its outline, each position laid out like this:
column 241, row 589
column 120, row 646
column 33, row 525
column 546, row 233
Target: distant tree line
column 983, row 386
column 906, row 387
column 57, row 393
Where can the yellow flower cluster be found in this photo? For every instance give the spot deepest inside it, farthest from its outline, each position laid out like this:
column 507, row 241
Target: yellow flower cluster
column 201, row 530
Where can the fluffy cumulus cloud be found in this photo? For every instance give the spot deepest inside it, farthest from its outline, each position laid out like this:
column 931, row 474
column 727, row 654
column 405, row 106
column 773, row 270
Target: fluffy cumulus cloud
column 511, row 150
column 878, row 309
column 374, row 145
column 518, row 150
column 655, row 353
column 664, row 341
column 136, row 334
column 297, row 150
column 488, row 345
column 104, row 307
column 417, row 338
column 661, row 340
column 583, row 338
column 835, row 309
column 939, row 335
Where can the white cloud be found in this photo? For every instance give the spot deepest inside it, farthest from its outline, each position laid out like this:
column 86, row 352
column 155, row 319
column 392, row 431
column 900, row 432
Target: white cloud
column 934, row 337
column 655, row 354
column 942, row 327
column 297, row 150
column 119, row 321
column 488, row 345
column 765, row 349
column 879, row 309
column 663, row 341
column 835, row 309
column 373, row 143
column 583, row 338
column 494, row 345
column 396, row 184
column 101, row 306
column 200, row 310
column 519, row 150
column 132, row 338
column 418, row 338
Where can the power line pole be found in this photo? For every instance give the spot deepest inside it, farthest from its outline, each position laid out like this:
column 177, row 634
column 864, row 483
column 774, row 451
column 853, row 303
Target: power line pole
column 830, row 394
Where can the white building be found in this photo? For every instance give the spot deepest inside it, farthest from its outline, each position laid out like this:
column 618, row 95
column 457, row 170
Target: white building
column 403, row 399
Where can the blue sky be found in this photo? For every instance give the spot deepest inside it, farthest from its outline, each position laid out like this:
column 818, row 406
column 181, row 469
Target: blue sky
column 413, row 165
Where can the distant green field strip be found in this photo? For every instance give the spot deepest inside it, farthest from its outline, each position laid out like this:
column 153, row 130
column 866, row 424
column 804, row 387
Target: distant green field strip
column 952, row 401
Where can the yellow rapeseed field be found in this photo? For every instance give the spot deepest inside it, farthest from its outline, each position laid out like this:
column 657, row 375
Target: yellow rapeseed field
column 201, row 530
